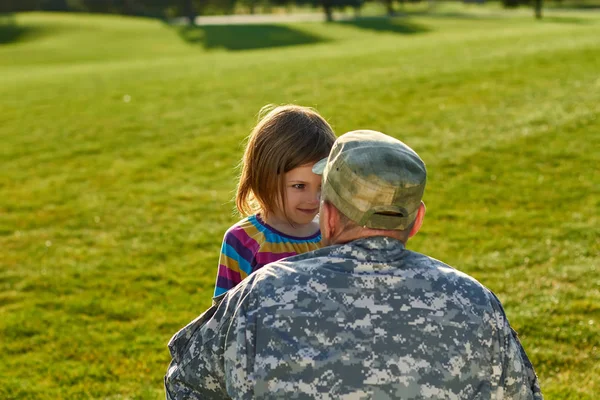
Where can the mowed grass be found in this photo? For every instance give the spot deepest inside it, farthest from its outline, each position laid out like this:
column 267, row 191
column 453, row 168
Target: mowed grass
column 120, row 138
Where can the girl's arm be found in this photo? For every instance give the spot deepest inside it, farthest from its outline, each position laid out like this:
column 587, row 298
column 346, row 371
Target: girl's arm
column 234, row 263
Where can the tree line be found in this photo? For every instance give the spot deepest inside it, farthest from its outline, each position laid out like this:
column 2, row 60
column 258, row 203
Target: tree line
column 191, row 8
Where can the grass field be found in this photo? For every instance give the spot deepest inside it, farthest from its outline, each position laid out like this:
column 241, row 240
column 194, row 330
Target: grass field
column 120, row 137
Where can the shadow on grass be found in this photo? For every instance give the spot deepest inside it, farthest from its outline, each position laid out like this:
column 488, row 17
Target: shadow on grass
column 245, row 37
column 453, row 15
column 386, row 24
column 566, row 20
column 574, row 6
column 10, row 31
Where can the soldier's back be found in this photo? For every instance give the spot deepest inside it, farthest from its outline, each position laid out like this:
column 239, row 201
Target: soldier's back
column 371, row 319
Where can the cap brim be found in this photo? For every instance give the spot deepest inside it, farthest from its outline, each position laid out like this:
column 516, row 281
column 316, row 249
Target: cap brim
column 319, row 166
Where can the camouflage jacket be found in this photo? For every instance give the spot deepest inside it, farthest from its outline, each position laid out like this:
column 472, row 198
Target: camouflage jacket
column 363, row 320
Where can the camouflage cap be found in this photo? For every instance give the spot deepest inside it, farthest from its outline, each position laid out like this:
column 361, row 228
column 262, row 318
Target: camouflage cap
column 373, row 179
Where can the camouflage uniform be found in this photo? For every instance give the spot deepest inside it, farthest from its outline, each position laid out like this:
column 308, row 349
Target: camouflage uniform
column 363, row 320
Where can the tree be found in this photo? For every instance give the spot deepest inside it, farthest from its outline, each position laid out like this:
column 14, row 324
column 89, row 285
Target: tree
column 511, row 3
column 189, row 12
column 330, row 5
column 538, row 9
column 537, row 5
column 389, row 5
column 10, row 6
column 328, row 8
column 54, row 5
column 94, row 6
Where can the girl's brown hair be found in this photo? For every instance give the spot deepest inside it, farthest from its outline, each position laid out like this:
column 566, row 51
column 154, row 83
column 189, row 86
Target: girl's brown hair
column 285, row 138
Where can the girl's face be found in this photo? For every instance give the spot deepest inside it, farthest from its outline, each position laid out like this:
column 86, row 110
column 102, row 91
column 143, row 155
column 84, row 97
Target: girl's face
column 302, row 194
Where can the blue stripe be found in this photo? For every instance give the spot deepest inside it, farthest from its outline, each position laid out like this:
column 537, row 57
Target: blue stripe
column 219, row 291
column 230, row 252
column 239, row 247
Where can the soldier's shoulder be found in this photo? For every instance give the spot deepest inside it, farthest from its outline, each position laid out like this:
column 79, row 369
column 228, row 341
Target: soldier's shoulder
column 442, row 269
column 287, row 272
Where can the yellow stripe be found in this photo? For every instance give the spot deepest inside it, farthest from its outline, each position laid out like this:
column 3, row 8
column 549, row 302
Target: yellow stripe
column 253, row 232
column 290, row 247
column 232, row 264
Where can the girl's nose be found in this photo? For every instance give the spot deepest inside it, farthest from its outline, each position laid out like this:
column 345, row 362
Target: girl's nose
column 315, row 197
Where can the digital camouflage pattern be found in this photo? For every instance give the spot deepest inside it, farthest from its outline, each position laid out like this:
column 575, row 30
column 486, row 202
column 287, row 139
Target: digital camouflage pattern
column 363, row 320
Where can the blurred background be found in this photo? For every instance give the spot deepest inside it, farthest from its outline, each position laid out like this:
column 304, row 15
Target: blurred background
column 190, row 9
column 122, row 124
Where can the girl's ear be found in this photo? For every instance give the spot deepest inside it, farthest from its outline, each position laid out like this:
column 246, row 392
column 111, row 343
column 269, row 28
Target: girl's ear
column 418, row 220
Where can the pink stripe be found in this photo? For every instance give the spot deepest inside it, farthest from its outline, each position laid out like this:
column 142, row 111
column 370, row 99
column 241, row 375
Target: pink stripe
column 228, row 273
column 246, row 240
column 265, row 258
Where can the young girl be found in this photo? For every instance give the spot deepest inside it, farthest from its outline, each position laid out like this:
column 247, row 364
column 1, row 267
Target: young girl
column 277, row 192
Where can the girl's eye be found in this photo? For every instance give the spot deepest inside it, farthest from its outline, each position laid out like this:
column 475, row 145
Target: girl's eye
column 298, row 186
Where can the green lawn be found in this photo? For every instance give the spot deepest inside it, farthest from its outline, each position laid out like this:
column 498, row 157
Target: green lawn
column 120, row 138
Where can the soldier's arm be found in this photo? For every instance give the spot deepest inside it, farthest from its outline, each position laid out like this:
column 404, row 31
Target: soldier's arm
column 194, row 381
column 518, row 379
column 212, row 357
column 196, row 369
column 516, row 355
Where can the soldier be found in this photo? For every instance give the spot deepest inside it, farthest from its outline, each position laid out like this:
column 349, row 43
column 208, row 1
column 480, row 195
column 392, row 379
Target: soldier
column 364, row 318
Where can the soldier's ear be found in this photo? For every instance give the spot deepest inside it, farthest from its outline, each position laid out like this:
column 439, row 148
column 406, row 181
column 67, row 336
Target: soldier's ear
column 418, row 220
column 327, row 219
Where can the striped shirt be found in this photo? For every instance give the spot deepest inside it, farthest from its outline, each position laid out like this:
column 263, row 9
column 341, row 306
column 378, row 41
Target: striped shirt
column 250, row 244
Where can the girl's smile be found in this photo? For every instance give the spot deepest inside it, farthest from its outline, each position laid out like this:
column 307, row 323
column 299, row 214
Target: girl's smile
column 302, row 196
